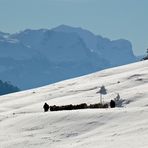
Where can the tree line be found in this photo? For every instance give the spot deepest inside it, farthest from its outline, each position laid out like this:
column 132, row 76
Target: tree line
column 7, row 87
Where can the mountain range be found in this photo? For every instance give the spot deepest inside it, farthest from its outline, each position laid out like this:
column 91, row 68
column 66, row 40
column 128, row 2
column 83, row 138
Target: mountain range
column 33, row 58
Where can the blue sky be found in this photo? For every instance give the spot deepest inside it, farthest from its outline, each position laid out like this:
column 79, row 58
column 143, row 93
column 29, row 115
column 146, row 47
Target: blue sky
column 110, row 18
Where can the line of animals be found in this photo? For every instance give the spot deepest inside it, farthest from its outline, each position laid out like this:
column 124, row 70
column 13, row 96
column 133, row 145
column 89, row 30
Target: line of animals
column 46, row 107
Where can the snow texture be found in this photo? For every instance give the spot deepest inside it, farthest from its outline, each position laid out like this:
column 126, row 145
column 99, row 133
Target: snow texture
column 23, row 124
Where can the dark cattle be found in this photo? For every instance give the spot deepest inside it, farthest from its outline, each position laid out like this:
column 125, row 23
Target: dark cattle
column 98, row 105
column 68, row 107
column 78, row 106
column 105, row 105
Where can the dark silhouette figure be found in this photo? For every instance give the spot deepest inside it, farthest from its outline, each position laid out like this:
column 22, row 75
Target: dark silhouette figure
column 112, row 104
column 46, row 107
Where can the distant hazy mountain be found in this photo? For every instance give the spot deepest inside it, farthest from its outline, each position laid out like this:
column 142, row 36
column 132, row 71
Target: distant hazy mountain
column 117, row 52
column 33, row 58
column 2, row 34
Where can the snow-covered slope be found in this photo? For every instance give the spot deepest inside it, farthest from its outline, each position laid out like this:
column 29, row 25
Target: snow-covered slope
column 33, row 58
column 24, row 124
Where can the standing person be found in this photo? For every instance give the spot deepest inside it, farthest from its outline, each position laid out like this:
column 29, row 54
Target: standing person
column 46, row 107
column 112, row 104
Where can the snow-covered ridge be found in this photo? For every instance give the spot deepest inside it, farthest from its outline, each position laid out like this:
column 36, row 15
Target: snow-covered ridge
column 24, row 124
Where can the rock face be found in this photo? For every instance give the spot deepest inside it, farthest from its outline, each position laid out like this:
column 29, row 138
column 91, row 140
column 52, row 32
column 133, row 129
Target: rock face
column 33, row 58
column 116, row 52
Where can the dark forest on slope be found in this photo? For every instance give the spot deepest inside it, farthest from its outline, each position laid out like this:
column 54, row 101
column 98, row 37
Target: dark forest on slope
column 7, row 87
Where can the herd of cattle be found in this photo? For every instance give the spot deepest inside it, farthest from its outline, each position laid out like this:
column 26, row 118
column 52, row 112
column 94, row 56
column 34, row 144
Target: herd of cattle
column 46, row 107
